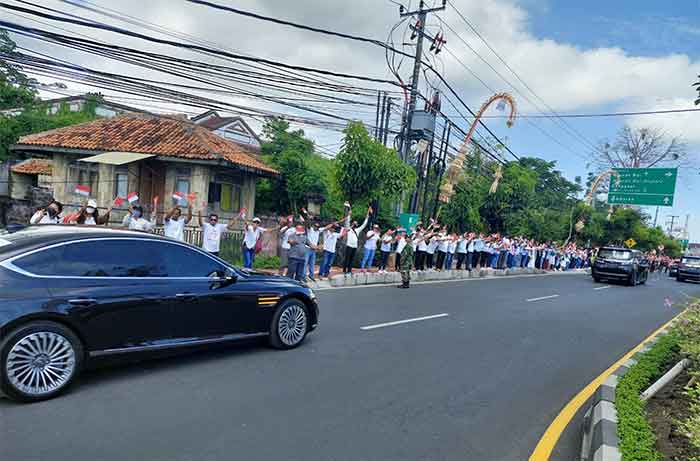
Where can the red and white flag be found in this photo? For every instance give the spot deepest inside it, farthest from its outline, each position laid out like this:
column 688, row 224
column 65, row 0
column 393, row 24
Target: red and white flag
column 132, row 197
column 192, row 197
column 242, row 213
column 82, row 190
column 179, row 196
column 118, row 201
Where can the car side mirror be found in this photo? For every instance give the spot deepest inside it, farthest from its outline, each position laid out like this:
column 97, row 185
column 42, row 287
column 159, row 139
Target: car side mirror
column 230, row 276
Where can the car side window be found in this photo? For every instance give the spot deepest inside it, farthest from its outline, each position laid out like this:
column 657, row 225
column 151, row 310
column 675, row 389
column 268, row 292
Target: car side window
column 120, row 258
column 98, row 258
column 185, row 262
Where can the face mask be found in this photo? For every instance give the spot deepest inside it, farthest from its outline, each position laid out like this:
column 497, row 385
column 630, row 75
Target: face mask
column 89, row 210
column 137, row 214
column 52, row 212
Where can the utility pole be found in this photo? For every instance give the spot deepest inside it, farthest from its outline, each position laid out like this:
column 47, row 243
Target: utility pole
column 386, row 122
column 418, row 32
column 656, row 215
column 670, row 228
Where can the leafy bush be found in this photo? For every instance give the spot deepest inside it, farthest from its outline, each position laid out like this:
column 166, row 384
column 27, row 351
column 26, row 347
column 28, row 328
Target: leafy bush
column 691, row 426
column 266, row 262
column 637, row 439
column 689, row 332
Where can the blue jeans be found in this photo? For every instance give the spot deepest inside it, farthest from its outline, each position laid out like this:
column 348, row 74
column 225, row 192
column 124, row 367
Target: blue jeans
column 325, row 268
column 448, row 261
column 248, row 257
column 367, row 258
column 310, row 263
column 493, row 261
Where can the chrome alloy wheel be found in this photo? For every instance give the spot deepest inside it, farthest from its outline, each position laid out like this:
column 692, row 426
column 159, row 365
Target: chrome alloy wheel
column 292, row 325
column 40, row 363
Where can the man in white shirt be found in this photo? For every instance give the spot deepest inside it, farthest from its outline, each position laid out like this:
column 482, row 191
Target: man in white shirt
column 313, row 234
column 286, row 231
column 451, row 249
column 134, row 220
column 253, row 233
column 174, row 223
column 370, row 248
column 212, row 232
column 47, row 215
column 331, row 234
column 443, row 241
column 352, row 234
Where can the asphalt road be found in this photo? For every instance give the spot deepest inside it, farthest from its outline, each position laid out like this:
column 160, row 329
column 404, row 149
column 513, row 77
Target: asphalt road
column 480, row 383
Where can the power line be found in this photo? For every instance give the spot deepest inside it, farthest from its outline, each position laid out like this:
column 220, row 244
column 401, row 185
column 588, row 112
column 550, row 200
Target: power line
column 604, row 114
column 570, row 129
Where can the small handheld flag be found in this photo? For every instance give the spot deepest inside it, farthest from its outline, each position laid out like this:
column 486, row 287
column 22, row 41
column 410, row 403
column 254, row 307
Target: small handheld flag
column 191, row 197
column 118, row 201
column 82, row 190
column 178, row 196
column 132, row 197
column 242, row 213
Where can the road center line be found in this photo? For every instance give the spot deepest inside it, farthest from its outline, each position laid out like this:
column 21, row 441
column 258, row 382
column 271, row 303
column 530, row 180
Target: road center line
column 541, row 298
column 399, row 322
column 603, row 288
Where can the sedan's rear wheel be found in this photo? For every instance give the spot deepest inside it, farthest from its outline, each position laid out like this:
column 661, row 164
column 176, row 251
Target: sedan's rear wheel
column 39, row 361
column 289, row 325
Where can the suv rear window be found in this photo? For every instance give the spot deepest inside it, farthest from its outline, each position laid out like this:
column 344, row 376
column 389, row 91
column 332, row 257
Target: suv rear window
column 608, row 253
column 694, row 262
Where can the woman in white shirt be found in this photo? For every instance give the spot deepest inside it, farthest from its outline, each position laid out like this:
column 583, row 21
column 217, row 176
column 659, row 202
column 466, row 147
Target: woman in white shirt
column 253, row 232
column 430, row 251
column 443, row 241
column 134, row 220
column 387, row 241
column 48, row 215
column 451, row 249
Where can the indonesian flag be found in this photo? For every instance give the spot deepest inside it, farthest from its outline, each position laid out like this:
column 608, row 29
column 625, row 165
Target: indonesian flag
column 132, row 197
column 192, row 197
column 118, row 201
column 179, row 196
column 242, row 213
column 82, row 190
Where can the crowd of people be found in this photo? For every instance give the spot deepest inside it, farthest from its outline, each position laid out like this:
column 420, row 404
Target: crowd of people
column 431, row 247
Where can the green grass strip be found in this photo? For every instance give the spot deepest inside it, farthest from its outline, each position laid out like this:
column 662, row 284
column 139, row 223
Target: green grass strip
column 637, row 439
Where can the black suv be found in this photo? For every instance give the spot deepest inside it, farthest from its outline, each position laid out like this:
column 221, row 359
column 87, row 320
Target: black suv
column 688, row 269
column 615, row 263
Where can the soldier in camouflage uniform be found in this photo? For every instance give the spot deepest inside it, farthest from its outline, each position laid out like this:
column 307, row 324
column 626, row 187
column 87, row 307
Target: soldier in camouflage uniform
column 405, row 249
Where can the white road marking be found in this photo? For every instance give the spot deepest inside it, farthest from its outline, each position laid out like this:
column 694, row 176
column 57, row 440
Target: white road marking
column 399, row 322
column 541, row 298
column 603, row 287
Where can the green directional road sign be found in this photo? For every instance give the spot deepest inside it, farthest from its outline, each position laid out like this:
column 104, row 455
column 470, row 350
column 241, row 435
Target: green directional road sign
column 408, row 221
column 643, row 186
column 684, row 243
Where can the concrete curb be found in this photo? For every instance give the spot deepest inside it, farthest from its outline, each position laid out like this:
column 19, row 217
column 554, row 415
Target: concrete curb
column 600, row 441
column 374, row 278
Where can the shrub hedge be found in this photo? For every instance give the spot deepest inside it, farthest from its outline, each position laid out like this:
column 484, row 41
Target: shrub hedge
column 637, row 439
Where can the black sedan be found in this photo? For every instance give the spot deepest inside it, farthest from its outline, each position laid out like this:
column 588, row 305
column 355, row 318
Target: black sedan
column 688, row 269
column 72, row 295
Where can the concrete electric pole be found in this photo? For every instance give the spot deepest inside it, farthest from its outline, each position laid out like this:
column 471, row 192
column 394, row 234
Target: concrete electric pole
column 419, row 33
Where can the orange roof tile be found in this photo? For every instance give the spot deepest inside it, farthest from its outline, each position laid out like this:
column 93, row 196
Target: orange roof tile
column 33, row 166
column 148, row 134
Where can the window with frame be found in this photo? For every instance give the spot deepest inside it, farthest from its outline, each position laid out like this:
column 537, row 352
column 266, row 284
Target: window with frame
column 227, row 192
column 85, row 174
column 182, row 183
column 121, row 183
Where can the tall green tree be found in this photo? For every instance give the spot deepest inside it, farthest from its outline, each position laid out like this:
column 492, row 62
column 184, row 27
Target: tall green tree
column 16, row 89
column 302, row 171
column 366, row 169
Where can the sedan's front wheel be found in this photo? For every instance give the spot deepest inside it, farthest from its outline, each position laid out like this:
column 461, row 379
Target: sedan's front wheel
column 289, row 325
column 39, row 361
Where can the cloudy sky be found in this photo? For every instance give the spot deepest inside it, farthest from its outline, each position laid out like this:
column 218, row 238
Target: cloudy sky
column 576, row 57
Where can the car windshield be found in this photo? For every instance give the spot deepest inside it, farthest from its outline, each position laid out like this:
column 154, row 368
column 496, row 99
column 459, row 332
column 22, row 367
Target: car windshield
column 608, row 253
column 694, row 262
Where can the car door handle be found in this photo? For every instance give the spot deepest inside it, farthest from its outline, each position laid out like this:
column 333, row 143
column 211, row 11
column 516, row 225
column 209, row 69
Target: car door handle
column 82, row 302
column 185, row 296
